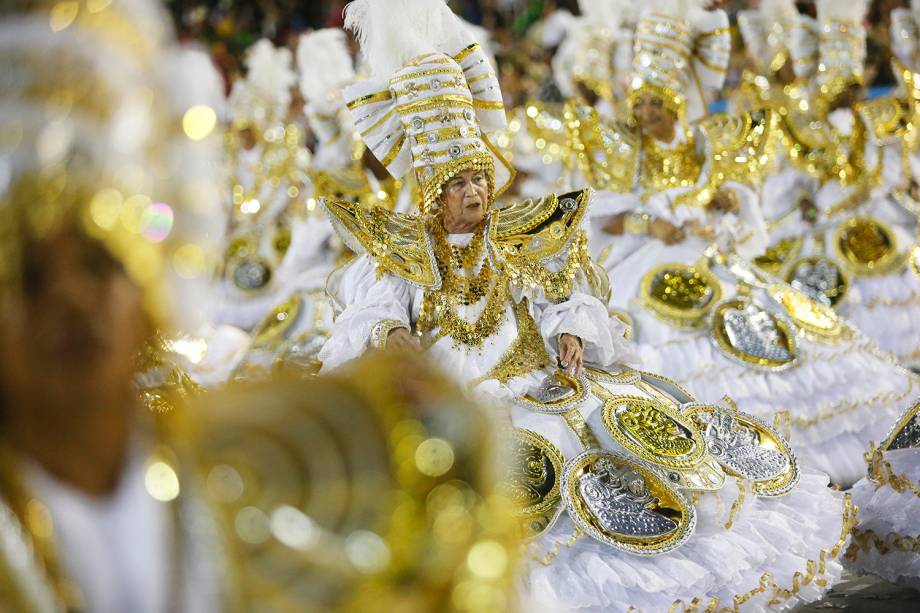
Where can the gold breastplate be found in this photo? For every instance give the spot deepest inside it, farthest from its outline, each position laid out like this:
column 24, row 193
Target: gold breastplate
column 664, row 169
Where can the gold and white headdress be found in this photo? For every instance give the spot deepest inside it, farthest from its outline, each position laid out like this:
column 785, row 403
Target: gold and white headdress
column 681, row 54
column 432, row 96
column 768, row 32
column 108, row 125
column 325, row 66
column 841, row 45
column 905, row 36
column 586, row 54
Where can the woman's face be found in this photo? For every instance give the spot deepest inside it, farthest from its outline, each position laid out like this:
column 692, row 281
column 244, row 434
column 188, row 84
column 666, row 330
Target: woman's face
column 465, row 199
column 78, row 324
column 654, row 117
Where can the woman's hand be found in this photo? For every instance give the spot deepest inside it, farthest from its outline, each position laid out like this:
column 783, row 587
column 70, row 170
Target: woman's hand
column 808, row 210
column 665, row 231
column 616, row 225
column 571, row 353
column 400, row 339
column 725, row 201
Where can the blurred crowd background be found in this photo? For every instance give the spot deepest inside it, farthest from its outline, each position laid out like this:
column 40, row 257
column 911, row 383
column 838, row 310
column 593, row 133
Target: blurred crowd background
column 228, row 27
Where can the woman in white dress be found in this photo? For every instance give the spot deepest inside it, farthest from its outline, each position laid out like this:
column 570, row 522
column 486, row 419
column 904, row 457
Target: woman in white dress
column 667, row 502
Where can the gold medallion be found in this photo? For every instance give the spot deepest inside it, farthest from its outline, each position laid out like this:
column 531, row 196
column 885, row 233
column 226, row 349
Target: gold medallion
column 680, row 294
column 532, row 481
column 278, row 322
column 817, row 276
column 747, row 447
column 624, row 504
column 754, row 336
column 867, row 246
column 660, row 434
column 814, row 318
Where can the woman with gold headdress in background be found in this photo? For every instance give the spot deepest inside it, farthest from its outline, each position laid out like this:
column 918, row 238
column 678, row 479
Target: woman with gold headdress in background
column 686, row 225
column 631, row 492
column 845, row 235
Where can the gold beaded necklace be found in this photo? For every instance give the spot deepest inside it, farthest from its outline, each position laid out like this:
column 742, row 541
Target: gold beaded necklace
column 438, row 306
column 668, row 168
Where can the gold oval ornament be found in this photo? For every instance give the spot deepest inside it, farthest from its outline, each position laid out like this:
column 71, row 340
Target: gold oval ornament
column 657, row 433
column 776, row 257
column 820, row 278
column 680, row 294
column 532, row 481
column 747, row 447
column 274, row 326
column 867, row 246
column 559, row 393
column 754, row 336
column 624, row 504
column 814, row 318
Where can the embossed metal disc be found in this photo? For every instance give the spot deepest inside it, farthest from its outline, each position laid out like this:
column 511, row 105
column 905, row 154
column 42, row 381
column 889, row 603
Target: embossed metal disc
column 251, row 274
column 653, row 431
column 820, row 278
column 680, row 294
column 747, row 447
column 815, row 318
column 625, row 505
column 754, row 336
column 559, row 393
column 777, row 256
column 533, row 480
column 867, row 246
column 278, row 321
column 906, row 431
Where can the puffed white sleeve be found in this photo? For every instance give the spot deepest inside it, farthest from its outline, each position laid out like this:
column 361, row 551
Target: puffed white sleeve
column 584, row 316
column 368, row 301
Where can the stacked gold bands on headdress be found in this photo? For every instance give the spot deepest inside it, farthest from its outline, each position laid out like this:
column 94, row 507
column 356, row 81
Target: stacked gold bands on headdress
column 832, row 52
column 587, row 53
column 681, row 54
column 102, row 121
column 430, row 115
column 768, row 32
column 841, row 45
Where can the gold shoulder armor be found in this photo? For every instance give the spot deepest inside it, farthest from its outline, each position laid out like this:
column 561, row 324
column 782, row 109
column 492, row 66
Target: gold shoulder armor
column 399, row 243
column 606, row 152
column 743, row 147
column 887, row 117
column 546, row 129
column 526, row 236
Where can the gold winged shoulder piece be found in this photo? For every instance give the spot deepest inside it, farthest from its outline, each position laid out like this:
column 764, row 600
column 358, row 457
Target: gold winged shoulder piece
column 541, row 242
column 606, row 152
column 400, row 244
column 743, row 147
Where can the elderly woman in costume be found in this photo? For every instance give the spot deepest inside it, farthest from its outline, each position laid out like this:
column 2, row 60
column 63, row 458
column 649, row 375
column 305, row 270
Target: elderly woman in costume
column 684, row 227
column 606, row 461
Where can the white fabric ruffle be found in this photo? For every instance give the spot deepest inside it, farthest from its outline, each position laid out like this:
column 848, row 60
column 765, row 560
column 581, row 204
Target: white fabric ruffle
column 887, row 540
column 768, row 544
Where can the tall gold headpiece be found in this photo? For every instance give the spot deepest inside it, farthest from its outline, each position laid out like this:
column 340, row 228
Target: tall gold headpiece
column 681, row 54
column 431, row 114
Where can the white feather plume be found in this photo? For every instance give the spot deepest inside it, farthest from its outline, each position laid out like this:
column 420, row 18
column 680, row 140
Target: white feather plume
column 392, row 32
column 845, row 10
column 778, row 9
column 681, row 8
column 606, row 13
column 325, row 66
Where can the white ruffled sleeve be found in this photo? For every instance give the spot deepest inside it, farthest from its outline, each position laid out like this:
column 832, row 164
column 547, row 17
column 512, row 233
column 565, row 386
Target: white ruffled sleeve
column 368, row 301
column 586, row 317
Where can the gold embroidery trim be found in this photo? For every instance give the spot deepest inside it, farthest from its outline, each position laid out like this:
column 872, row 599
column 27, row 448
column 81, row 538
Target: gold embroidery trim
column 369, row 99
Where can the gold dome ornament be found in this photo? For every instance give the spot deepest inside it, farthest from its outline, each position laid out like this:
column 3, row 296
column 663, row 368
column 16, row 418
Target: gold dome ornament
column 373, row 489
